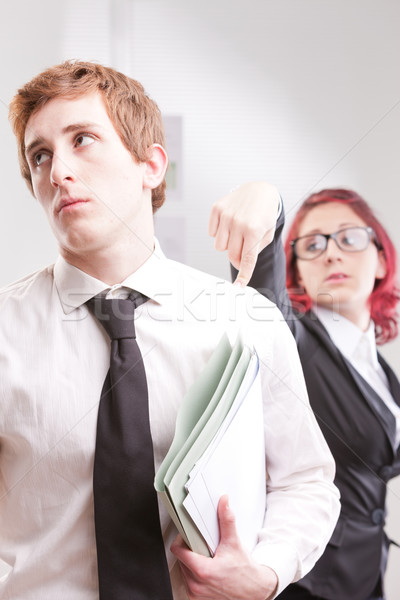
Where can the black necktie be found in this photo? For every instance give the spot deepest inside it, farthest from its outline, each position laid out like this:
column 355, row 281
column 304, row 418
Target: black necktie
column 131, row 557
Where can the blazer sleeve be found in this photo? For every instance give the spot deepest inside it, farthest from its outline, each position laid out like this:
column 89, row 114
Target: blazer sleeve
column 269, row 276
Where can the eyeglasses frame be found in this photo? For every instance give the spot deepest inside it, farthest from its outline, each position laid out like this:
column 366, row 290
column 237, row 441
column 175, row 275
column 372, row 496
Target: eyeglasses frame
column 328, row 236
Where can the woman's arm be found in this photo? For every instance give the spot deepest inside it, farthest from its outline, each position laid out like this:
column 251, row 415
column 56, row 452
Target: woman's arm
column 243, row 223
column 248, row 223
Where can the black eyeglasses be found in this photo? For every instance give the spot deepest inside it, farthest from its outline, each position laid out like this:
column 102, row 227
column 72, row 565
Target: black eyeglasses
column 350, row 239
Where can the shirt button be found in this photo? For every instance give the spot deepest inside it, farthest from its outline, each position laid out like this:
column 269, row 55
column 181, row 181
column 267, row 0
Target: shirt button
column 378, row 516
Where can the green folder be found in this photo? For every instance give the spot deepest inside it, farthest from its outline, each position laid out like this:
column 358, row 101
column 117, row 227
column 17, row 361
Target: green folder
column 199, row 418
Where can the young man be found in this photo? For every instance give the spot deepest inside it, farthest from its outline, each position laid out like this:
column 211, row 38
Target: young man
column 91, row 150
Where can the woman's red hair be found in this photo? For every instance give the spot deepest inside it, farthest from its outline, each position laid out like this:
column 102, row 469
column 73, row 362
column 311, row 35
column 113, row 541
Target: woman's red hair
column 385, row 296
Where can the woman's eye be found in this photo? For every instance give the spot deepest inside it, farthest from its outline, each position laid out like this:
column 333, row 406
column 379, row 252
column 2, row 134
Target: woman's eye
column 84, row 140
column 313, row 245
column 40, row 158
column 348, row 239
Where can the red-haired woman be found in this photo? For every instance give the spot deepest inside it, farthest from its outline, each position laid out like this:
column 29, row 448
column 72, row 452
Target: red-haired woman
column 339, row 300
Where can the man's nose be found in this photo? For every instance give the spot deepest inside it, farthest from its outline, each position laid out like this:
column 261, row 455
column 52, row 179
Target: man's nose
column 61, row 171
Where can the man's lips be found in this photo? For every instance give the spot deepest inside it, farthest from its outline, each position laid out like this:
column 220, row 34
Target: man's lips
column 67, row 202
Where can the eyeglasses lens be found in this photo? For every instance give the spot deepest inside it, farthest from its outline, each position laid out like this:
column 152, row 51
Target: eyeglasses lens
column 352, row 239
column 310, row 246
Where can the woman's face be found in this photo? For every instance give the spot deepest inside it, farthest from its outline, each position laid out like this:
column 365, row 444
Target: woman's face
column 338, row 279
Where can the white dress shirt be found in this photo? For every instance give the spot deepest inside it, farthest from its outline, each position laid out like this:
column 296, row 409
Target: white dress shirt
column 359, row 347
column 54, row 357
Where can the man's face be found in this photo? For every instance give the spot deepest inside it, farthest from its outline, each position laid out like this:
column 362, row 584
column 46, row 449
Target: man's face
column 90, row 186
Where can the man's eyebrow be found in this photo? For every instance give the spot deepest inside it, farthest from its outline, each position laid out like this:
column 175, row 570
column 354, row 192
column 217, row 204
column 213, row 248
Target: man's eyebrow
column 68, row 129
column 33, row 145
column 80, row 126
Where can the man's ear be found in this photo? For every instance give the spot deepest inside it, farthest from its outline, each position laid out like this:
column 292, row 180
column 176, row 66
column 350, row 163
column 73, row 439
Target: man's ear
column 156, row 166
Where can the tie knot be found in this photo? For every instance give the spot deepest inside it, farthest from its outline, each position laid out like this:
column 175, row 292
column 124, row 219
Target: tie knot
column 116, row 315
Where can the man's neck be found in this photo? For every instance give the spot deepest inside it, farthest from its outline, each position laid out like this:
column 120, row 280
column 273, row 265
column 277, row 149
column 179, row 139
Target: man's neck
column 112, row 265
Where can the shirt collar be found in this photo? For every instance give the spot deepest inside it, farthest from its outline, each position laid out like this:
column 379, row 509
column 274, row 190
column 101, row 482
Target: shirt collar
column 346, row 336
column 75, row 287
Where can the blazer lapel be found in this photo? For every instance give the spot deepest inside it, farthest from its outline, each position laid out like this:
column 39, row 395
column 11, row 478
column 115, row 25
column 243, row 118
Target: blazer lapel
column 381, row 411
column 378, row 407
column 394, row 383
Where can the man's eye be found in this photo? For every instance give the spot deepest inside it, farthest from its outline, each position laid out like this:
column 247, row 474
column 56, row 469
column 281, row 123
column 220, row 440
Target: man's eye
column 84, row 140
column 40, row 158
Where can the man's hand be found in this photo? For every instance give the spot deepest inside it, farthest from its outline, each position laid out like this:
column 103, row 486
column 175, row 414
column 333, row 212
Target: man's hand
column 243, row 223
column 231, row 574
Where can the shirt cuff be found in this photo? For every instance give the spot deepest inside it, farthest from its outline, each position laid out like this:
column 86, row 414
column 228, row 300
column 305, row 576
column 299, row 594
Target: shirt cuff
column 283, row 559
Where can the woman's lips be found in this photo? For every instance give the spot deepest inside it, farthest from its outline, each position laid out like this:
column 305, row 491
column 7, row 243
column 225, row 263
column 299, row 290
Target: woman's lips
column 337, row 277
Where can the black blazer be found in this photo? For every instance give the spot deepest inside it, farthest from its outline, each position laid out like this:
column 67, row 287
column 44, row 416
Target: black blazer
column 360, row 431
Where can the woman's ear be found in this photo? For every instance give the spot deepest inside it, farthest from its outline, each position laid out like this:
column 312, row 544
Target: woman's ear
column 381, row 268
column 299, row 279
column 156, row 167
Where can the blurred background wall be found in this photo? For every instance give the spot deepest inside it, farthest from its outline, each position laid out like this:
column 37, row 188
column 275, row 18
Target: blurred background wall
column 303, row 93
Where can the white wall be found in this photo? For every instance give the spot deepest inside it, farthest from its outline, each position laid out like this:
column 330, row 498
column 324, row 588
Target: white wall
column 304, row 93
column 29, row 41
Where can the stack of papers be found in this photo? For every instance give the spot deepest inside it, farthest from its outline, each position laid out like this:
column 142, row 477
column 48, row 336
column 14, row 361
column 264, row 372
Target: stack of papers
column 218, row 449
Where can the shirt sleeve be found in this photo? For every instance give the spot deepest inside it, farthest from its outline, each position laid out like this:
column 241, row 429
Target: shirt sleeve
column 302, row 500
